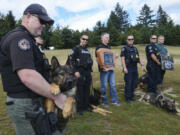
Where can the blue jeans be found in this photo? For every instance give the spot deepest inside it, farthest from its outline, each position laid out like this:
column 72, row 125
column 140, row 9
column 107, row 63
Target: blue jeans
column 108, row 77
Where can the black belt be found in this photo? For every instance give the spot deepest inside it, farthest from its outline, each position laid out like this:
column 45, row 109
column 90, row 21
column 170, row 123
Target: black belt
column 23, row 95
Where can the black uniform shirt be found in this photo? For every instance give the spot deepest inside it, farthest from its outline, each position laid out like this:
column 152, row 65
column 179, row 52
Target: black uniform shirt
column 81, row 60
column 19, row 49
column 152, row 49
column 127, row 51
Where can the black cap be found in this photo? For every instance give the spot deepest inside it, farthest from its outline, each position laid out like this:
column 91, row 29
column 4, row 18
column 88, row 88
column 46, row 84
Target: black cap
column 40, row 11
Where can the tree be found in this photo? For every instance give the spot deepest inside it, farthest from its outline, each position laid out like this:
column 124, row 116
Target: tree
column 56, row 38
column 119, row 18
column 146, row 17
column 66, row 34
column 10, row 19
column 162, row 17
column 46, row 34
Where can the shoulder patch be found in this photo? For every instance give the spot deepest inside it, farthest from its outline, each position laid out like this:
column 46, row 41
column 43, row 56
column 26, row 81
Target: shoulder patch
column 123, row 49
column 24, row 44
column 150, row 47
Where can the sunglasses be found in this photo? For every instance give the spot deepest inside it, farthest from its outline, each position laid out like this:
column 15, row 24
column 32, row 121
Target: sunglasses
column 40, row 20
column 84, row 39
column 130, row 39
column 153, row 38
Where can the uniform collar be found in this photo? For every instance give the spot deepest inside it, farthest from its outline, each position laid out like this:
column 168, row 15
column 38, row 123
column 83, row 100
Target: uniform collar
column 25, row 30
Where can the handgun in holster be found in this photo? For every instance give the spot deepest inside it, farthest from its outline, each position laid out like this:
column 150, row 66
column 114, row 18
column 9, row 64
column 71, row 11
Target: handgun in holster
column 42, row 123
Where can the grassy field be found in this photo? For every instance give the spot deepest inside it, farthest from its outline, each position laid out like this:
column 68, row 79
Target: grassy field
column 129, row 119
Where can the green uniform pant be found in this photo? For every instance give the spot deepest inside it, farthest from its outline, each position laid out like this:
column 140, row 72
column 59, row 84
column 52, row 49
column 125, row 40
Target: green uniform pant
column 16, row 108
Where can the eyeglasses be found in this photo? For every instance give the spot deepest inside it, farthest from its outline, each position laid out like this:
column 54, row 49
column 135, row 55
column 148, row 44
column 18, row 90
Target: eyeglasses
column 84, row 39
column 41, row 21
column 130, row 39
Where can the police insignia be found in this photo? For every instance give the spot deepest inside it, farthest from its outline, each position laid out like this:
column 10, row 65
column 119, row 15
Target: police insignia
column 123, row 49
column 24, row 44
column 150, row 47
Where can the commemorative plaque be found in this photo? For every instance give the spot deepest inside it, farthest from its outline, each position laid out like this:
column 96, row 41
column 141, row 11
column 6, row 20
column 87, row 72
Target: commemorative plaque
column 106, row 59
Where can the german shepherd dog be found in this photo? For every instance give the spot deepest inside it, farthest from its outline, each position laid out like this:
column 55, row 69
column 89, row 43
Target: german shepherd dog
column 160, row 100
column 143, row 81
column 95, row 97
column 62, row 77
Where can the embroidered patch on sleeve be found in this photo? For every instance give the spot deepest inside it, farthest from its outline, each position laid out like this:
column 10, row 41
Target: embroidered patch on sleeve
column 24, row 44
column 123, row 49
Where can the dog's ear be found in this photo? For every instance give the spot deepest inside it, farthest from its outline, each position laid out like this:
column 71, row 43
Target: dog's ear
column 68, row 62
column 54, row 63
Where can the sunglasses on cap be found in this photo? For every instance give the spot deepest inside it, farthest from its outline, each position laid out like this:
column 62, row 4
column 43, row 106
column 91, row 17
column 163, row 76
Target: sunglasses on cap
column 85, row 39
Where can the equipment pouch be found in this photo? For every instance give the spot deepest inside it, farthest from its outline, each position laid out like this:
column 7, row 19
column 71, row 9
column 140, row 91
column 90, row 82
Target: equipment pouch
column 40, row 121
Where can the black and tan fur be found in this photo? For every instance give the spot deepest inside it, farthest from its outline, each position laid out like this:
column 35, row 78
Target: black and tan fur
column 62, row 81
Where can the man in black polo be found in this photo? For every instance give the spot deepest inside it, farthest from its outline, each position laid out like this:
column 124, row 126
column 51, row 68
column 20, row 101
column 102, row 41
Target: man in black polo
column 22, row 67
column 153, row 64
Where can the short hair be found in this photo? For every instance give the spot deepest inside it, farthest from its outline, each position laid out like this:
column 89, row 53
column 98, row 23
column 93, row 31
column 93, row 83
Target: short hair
column 84, row 34
column 129, row 35
column 102, row 35
column 160, row 36
column 153, row 35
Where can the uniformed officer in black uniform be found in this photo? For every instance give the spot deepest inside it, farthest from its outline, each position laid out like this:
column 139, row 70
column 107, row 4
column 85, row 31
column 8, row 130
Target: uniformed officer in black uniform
column 153, row 64
column 22, row 70
column 82, row 64
column 130, row 58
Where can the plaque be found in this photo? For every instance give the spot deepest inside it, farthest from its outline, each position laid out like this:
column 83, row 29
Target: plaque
column 106, row 59
column 167, row 63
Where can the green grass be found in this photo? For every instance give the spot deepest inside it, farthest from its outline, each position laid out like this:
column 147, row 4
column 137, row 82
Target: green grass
column 133, row 119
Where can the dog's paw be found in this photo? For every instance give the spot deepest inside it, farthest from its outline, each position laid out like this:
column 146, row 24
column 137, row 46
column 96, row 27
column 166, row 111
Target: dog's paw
column 69, row 109
column 55, row 89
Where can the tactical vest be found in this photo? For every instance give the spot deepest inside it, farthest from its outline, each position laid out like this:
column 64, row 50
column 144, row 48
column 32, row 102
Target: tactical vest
column 156, row 52
column 84, row 58
column 11, row 82
column 132, row 56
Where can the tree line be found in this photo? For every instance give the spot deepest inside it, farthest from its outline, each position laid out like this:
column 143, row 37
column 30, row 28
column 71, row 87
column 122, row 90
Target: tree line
column 118, row 26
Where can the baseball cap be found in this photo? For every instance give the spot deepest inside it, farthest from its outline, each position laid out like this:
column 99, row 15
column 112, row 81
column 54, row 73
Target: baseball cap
column 40, row 11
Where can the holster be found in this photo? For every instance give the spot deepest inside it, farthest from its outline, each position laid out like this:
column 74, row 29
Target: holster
column 43, row 123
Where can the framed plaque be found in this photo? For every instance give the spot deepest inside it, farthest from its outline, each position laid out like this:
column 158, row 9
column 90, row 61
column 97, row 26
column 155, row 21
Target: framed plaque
column 106, row 59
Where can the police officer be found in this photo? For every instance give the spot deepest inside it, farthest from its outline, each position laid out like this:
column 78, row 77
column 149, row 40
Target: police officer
column 153, row 64
column 82, row 64
column 22, row 70
column 45, row 62
column 130, row 58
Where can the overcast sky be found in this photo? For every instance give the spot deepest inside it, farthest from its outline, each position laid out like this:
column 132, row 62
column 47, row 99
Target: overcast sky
column 82, row 14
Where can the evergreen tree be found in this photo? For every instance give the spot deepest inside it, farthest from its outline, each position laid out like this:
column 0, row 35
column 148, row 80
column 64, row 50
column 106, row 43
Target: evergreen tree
column 56, row 38
column 10, row 19
column 119, row 18
column 146, row 17
column 162, row 17
column 66, row 34
column 46, row 34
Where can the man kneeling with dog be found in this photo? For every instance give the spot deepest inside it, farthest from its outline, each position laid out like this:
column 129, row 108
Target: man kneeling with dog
column 22, row 67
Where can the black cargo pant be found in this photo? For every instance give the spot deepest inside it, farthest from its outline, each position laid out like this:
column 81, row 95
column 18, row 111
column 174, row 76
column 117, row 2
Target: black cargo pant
column 160, row 75
column 153, row 77
column 83, row 92
column 131, row 80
